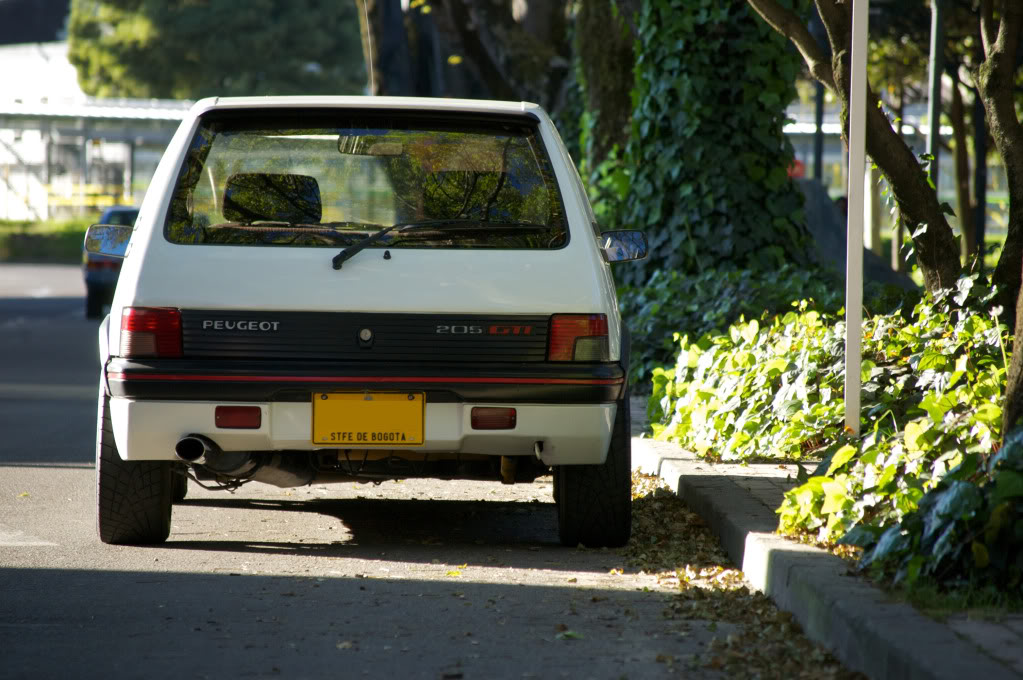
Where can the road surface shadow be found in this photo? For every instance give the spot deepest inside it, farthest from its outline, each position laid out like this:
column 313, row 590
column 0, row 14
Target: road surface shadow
column 415, row 530
column 122, row 623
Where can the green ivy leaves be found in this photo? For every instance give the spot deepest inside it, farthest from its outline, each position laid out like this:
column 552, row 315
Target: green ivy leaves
column 696, row 304
column 707, row 152
column 922, row 490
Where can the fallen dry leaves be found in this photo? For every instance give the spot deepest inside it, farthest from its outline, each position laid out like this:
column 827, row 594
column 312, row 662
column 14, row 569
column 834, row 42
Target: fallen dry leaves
column 674, row 544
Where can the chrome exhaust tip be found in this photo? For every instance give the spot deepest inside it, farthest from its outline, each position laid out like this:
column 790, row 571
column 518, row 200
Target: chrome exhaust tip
column 194, row 448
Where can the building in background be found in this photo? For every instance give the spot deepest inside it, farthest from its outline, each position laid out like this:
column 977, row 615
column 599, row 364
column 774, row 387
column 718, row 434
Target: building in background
column 64, row 154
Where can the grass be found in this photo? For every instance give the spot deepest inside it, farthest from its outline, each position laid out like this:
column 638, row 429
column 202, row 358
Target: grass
column 976, row 601
column 51, row 241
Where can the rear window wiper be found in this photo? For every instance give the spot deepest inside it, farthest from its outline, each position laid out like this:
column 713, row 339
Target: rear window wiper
column 430, row 225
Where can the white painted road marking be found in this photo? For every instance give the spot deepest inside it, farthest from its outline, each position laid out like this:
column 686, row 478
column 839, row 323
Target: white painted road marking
column 37, row 391
column 15, row 537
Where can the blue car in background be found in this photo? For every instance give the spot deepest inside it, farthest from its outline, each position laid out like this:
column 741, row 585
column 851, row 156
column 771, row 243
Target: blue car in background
column 101, row 271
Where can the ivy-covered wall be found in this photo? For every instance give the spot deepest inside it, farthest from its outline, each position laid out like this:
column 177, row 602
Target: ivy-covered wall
column 708, row 158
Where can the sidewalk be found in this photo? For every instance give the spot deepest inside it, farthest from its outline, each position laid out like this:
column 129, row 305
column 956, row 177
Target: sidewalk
column 855, row 620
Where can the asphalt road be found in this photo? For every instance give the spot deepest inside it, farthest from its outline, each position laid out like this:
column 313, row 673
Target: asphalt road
column 415, row 579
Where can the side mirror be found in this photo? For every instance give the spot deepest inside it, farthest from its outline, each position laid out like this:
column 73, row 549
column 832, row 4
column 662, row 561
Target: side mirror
column 108, row 239
column 623, row 246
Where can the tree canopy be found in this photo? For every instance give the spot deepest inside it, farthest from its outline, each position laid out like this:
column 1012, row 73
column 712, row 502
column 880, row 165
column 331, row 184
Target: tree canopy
column 187, row 49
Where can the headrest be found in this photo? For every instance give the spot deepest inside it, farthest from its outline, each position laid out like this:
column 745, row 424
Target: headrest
column 258, row 196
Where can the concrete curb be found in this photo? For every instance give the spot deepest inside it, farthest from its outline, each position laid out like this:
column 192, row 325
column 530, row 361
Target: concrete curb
column 856, row 621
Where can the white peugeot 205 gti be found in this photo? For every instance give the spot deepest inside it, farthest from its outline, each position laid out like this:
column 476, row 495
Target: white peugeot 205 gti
column 326, row 289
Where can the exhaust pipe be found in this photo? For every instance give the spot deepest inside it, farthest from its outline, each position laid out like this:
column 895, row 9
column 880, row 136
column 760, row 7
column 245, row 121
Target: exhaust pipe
column 196, row 449
column 281, row 470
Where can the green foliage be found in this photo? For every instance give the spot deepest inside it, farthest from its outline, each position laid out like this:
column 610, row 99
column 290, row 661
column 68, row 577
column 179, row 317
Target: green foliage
column 709, row 156
column 607, row 185
column 568, row 116
column 185, row 49
column 50, row 241
column 968, row 528
column 921, row 491
column 932, row 390
column 698, row 304
column 762, row 388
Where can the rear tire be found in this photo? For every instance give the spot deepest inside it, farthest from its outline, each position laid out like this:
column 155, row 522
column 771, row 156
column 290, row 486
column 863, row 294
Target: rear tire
column 180, row 485
column 133, row 498
column 595, row 501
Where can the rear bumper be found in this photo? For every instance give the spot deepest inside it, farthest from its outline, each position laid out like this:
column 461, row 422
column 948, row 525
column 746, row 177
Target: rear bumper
column 569, row 434
column 568, row 408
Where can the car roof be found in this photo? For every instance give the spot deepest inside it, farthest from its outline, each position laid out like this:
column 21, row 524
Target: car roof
column 435, row 104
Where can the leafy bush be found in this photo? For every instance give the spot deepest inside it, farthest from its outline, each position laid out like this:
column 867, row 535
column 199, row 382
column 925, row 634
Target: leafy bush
column 932, row 387
column 50, row 241
column 607, row 186
column 967, row 529
column 756, row 390
column 694, row 305
column 923, row 490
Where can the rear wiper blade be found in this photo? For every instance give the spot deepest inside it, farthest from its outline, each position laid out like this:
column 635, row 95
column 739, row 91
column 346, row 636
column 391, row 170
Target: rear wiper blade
column 437, row 225
column 354, row 249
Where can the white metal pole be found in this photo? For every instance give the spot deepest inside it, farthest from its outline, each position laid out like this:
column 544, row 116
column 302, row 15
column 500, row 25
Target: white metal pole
column 854, row 231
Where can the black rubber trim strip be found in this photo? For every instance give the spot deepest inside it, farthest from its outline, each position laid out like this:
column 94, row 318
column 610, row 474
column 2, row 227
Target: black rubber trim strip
column 259, row 381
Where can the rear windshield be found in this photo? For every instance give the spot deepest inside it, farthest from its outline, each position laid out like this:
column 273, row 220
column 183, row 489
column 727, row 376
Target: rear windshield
column 312, row 179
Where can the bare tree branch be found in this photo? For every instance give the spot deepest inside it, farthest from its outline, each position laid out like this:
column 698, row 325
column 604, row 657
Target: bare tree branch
column 1009, row 29
column 936, row 249
column 788, row 23
column 988, row 29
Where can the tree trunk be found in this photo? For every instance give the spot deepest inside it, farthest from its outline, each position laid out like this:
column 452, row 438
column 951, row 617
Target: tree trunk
column 605, row 58
column 512, row 62
column 937, row 253
column 995, row 80
column 964, row 207
column 899, row 228
column 936, row 250
column 385, row 47
column 1012, row 406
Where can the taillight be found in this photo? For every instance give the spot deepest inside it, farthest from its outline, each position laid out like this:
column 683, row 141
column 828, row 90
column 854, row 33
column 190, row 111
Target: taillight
column 150, row 332
column 579, row 337
column 97, row 265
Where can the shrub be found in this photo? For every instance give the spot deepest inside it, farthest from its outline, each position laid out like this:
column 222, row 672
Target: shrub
column 694, row 305
column 925, row 491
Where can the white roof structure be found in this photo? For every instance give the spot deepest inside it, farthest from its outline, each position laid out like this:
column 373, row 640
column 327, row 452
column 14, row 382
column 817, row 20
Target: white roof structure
column 39, row 81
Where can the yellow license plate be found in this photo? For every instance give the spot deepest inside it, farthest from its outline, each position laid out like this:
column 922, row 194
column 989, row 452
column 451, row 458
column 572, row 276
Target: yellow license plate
column 366, row 419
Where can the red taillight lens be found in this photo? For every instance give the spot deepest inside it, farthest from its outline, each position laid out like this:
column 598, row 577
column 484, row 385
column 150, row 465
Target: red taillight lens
column 492, row 418
column 94, row 265
column 578, row 337
column 150, row 332
column 238, row 417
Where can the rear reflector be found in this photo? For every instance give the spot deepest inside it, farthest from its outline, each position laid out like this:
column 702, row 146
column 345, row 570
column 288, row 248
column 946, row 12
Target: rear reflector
column 492, row 418
column 238, row 417
column 150, row 332
column 579, row 337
